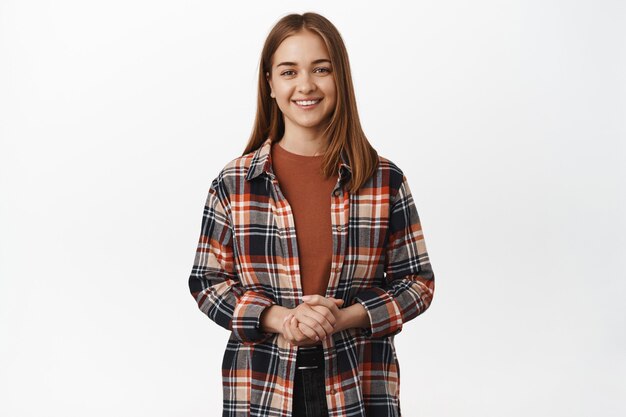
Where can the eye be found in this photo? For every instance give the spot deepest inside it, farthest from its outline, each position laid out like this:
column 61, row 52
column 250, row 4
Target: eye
column 324, row 68
column 285, row 72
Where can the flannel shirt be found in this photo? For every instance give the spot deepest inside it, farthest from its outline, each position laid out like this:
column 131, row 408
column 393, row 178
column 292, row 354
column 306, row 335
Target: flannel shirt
column 247, row 260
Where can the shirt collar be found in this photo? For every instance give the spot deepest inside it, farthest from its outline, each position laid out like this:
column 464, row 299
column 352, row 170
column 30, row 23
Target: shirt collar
column 261, row 162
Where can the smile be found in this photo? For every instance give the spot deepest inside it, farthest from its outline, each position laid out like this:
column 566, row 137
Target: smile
column 307, row 104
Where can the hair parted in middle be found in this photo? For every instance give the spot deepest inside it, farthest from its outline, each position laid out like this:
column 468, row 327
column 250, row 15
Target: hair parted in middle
column 344, row 130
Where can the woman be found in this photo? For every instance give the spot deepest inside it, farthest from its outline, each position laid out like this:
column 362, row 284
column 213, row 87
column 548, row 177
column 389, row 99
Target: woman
column 312, row 314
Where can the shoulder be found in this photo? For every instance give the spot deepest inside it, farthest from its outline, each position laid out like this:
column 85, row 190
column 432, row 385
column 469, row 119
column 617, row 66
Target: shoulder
column 232, row 174
column 237, row 167
column 391, row 174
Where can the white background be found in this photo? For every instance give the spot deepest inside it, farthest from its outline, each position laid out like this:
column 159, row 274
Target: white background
column 508, row 118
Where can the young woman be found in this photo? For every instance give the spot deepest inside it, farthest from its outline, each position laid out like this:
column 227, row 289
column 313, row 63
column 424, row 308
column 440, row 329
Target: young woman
column 311, row 250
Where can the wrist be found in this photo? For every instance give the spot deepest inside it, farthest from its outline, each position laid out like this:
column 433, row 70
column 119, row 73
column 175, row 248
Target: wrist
column 272, row 318
column 352, row 316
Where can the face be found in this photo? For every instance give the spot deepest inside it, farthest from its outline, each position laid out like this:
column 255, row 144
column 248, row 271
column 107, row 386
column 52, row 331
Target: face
column 301, row 70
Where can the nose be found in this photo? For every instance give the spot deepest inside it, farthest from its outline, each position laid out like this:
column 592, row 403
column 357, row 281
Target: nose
column 306, row 84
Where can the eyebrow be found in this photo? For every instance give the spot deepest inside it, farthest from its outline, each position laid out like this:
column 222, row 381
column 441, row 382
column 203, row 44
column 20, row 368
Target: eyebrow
column 293, row 64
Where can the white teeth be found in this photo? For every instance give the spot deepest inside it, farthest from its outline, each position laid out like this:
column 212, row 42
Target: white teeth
column 307, row 103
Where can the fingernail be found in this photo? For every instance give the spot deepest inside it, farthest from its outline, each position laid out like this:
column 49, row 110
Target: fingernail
column 306, row 297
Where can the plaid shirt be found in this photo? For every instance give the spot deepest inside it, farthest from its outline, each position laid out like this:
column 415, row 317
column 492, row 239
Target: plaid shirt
column 247, row 260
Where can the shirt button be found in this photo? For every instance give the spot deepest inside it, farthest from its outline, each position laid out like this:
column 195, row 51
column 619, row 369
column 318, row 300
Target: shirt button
column 337, row 270
column 337, row 193
column 332, row 391
column 339, row 228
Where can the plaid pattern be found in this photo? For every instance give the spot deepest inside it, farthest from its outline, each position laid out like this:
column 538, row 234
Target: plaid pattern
column 247, row 260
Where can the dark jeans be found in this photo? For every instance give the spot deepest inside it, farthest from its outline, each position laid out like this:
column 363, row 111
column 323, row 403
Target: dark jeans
column 309, row 385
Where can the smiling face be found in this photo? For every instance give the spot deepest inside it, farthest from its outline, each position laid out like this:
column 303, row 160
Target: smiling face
column 301, row 71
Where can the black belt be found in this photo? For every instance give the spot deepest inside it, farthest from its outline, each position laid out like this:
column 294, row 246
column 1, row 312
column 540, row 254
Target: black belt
column 310, row 357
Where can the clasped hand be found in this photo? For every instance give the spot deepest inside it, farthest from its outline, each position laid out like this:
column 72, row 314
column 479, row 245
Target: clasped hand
column 315, row 319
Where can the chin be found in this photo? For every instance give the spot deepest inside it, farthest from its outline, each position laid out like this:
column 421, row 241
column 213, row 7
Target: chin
column 311, row 124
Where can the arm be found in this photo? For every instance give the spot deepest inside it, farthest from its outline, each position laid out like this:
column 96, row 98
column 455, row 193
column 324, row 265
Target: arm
column 272, row 318
column 213, row 282
column 409, row 280
column 353, row 316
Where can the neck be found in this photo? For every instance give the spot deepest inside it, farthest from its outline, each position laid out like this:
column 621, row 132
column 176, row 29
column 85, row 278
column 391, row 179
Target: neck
column 307, row 146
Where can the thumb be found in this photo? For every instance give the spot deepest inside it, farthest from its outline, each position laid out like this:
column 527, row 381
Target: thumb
column 338, row 301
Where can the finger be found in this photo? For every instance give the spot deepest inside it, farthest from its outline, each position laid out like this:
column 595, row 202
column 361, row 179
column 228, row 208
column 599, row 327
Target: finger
column 308, row 340
column 321, row 318
column 329, row 320
column 338, row 301
column 331, row 303
column 317, row 299
column 299, row 335
column 286, row 330
column 328, row 314
column 302, row 333
column 313, row 324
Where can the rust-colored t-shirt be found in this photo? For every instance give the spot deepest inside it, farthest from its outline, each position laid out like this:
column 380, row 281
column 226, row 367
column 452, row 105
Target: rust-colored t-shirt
column 308, row 193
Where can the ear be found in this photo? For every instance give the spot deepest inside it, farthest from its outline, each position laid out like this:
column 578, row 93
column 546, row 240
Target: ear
column 269, row 81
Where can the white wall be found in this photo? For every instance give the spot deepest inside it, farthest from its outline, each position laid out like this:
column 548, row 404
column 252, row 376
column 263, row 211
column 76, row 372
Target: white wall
column 507, row 117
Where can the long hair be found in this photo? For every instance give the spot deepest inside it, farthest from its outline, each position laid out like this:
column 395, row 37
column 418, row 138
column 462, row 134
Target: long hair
column 344, row 130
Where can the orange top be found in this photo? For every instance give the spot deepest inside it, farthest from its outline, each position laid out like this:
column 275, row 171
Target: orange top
column 308, row 193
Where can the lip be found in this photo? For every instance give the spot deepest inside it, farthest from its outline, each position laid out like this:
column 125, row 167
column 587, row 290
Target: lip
column 308, row 99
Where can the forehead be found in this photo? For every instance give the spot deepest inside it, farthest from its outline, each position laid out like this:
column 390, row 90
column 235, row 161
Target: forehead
column 301, row 48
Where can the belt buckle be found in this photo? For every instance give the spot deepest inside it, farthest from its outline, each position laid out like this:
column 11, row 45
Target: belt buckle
column 308, row 367
column 310, row 357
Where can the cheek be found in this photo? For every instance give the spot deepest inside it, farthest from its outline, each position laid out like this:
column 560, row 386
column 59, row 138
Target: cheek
column 331, row 95
column 283, row 96
column 330, row 89
column 283, row 89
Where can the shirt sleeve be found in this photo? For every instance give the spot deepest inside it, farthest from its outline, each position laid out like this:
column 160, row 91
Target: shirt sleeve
column 409, row 282
column 214, row 283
